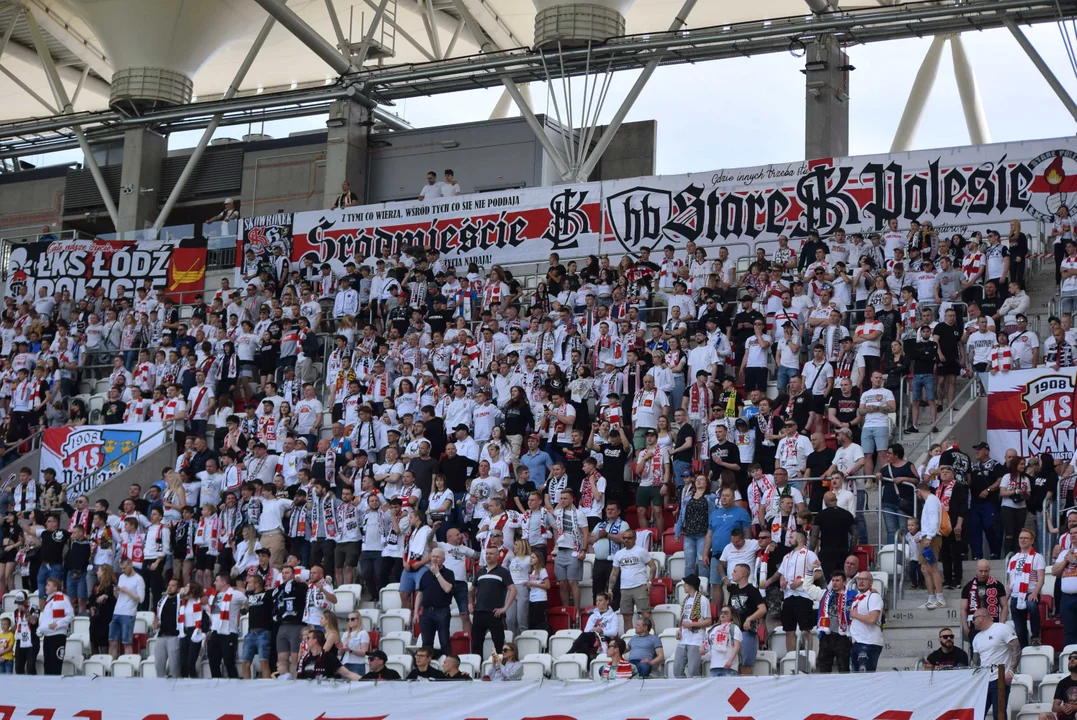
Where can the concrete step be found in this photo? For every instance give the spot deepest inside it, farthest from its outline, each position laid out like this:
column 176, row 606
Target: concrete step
column 998, row 569
column 925, row 620
column 915, row 598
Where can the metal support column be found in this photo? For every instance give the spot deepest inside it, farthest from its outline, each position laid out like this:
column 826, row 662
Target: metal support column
column 207, row 135
column 510, row 87
column 607, row 135
column 62, row 100
column 1038, row 61
column 826, row 99
column 144, row 152
column 346, row 149
column 969, row 91
column 308, row 36
column 918, row 95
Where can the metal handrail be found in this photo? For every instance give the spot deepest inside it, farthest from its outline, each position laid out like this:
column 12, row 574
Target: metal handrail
column 804, row 638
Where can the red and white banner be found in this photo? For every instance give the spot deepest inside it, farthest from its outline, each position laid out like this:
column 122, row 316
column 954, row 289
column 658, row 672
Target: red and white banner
column 1032, row 411
column 955, row 695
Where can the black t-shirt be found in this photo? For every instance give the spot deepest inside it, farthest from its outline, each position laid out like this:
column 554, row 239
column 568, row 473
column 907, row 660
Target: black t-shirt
column 956, row 658
column 1066, row 691
column 613, row 465
column 385, row 673
column 948, row 338
column 573, row 459
column 260, row 610
column 168, row 618
column 844, row 407
column 52, row 547
column 433, row 594
column 834, row 524
column 818, row 462
column 431, row 673
column 458, row 676
column 521, row 492
column 726, row 452
column 982, row 476
column 989, row 306
column 890, row 320
column 686, row 431
column 745, row 600
column 492, row 589
column 517, row 419
column 325, row 665
column 457, row 470
column 1041, row 485
column 438, row 320
column 925, row 355
column 423, row 470
column 288, row 603
column 899, row 493
column 991, row 596
column 113, row 412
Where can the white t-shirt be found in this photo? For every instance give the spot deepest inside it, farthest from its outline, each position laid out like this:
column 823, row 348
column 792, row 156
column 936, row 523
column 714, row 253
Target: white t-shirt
column 869, row 348
column 721, row 638
column 694, row 636
column 790, row 359
column 1069, row 284
column 125, row 604
column 1013, row 577
column 862, row 632
column 757, row 355
column 880, row 396
column 307, row 412
column 430, row 192
column 816, row 377
column 747, row 555
column 846, row 457
column 633, row 566
column 647, row 408
column 537, row 594
column 992, row 645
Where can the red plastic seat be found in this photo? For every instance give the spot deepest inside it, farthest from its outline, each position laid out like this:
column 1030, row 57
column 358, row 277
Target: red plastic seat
column 670, row 543
column 460, row 642
column 862, row 557
column 374, row 637
column 631, row 517
column 659, row 596
column 868, row 549
column 562, row 618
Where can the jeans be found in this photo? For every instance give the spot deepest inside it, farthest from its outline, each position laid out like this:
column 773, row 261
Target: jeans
column 1023, row 618
column 894, row 520
column 992, row 698
column 695, row 550
column 300, row 547
column 681, row 469
column 864, row 658
column 435, row 620
column 982, row 522
column 644, row 669
column 7, row 667
column 1069, row 617
column 44, row 573
column 676, row 394
column 723, row 672
column 784, row 373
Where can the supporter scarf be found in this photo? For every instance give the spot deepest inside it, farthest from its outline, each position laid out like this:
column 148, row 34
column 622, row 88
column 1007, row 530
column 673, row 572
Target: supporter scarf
column 720, row 635
column 25, row 496
column 100, row 539
column 347, row 517
column 23, row 634
column 731, row 405
column 170, row 408
column 331, row 466
column 991, row 596
column 324, row 516
column 790, row 526
column 762, row 557
column 1021, row 566
column 379, row 387
column 574, row 528
column 196, row 611
column 208, row 533
column 587, row 493
column 80, row 517
column 297, row 523
column 132, row 548
column 1002, row 358
column 761, row 492
column 695, row 612
column 143, row 376
column 699, row 399
column 225, row 605
column 800, row 562
column 267, row 429
column 944, row 494
column 613, row 415
column 179, row 609
column 643, row 399
column 57, row 604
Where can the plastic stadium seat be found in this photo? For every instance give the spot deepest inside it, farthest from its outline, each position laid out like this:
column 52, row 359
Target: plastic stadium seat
column 537, row 666
column 597, row 664
column 766, row 663
column 1019, row 694
column 1063, row 657
column 488, row 644
column 460, row 643
column 659, row 561
column 561, row 642
column 588, row 567
column 675, row 566
column 572, row 666
column 391, row 620
column 125, row 668
column 472, row 661
column 665, row 617
column 354, row 588
column 880, row 581
column 528, row 645
column 370, row 617
column 542, row 636
column 563, row 618
column 401, row 663
column 345, row 603
column 81, row 626
column 72, row 666
column 1048, row 685
column 395, row 642
column 1036, row 662
column 659, row 594
column 96, row 668
column 389, row 598
column 74, row 648
column 148, row 669
column 788, row 664
column 671, row 544
column 669, row 641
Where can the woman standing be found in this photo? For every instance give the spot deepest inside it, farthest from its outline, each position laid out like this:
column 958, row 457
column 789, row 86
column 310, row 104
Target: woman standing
column 722, row 642
column 538, row 585
column 677, row 362
column 440, row 507
column 10, row 542
column 520, row 569
column 518, row 418
column 1015, row 491
column 1018, row 253
column 697, row 501
column 102, row 604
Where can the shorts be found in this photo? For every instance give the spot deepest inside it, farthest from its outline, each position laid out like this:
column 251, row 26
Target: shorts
column 924, row 383
column 949, row 368
column 635, row 600
column 409, row 579
column 749, row 648
column 460, row 594
column 121, row 629
column 346, row 554
column 566, row 566
column 76, row 586
column 647, row 496
column 936, row 547
column 203, row 560
column 288, row 638
column 246, row 368
column 797, row 612
column 256, row 645
column 875, row 438
column 818, row 404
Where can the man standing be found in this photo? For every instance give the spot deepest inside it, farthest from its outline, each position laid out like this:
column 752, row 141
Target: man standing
column 635, row 569
column 695, row 619
column 570, row 525
column 833, row 534
column 985, row 479
column 723, row 519
column 833, row 624
column 751, row 608
column 994, row 644
column 491, row 596
column 166, row 655
column 931, row 546
column 227, row 604
column 865, row 613
column 954, row 496
column 983, row 591
column 436, row 589
column 1066, row 570
column 876, row 404
column 798, row 568
column 56, row 618
column 1024, row 579
column 130, row 591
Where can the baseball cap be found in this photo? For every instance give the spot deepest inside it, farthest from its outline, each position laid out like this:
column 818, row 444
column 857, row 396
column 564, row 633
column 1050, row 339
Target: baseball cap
column 377, row 654
column 981, row 446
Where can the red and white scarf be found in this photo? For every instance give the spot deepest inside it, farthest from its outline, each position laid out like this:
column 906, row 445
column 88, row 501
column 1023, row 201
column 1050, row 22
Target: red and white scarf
column 790, row 526
column 80, row 517
column 944, row 493
column 196, row 610
column 760, row 494
column 323, row 513
column 1021, row 569
column 132, row 547
column 209, row 534
column 699, row 400
column 842, row 612
column 1002, row 358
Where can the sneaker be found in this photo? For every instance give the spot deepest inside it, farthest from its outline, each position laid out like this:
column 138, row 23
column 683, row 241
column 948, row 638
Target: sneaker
column 929, row 605
column 1035, row 642
column 911, row 429
column 940, row 603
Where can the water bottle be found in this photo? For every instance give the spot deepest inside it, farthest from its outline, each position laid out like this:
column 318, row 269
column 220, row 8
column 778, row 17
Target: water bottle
column 862, row 661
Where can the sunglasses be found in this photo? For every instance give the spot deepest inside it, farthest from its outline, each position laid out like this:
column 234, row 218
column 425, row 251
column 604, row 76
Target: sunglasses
column 506, row 649
column 946, row 637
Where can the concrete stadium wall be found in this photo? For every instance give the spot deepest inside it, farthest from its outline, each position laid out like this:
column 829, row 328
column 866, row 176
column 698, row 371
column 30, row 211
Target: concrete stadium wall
column 31, row 200
column 145, row 472
column 284, row 177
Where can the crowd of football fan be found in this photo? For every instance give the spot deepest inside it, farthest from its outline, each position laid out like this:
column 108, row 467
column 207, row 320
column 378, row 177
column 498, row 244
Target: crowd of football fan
column 469, row 445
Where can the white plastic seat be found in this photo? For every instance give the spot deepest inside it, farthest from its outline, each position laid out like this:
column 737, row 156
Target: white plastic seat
column 72, row 665
column 675, row 565
column 788, row 664
column 1063, row 657
column 597, row 664
column 389, row 597
column 395, row 642
column 1019, row 694
column 541, row 635
column 124, row 669
column 887, row 558
column 354, row 588
column 660, row 562
column 394, row 620
column 1036, row 662
column 148, row 669
column 401, row 663
column 668, row 638
column 776, row 640
column 472, row 662
column 152, row 643
column 879, row 582
column 571, row 666
column 528, row 645
column 74, row 648
column 561, row 642
column 370, row 618
column 345, row 603
column 1032, row 711
column 104, row 659
column 665, row 617
column 1048, row 685
column 80, row 626
column 95, row 668
column 766, row 663
column 488, row 643
column 9, row 602
column 536, row 666
column 588, row 567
